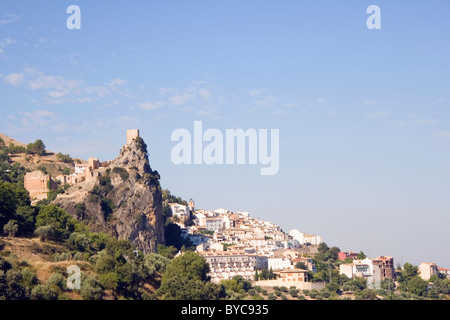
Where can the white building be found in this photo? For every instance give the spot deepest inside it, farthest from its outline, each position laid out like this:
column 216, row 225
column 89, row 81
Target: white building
column 215, row 224
column 228, row 222
column 225, row 265
column 200, row 219
column 179, row 210
column 221, row 211
column 428, row 269
column 80, row 168
column 359, row 268
column 304, row 238
column 216, row 246
column 244, row 214
column 279, row 264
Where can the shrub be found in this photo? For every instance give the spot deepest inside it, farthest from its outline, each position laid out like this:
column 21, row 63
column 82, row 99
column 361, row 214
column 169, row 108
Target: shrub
column 293, row 292
column 110, row 280
column 325, row 293
column 57, row 282
column 79, row 242
column 107, row 206
column 79, row 256
column 43, row 169
column 29, row 279
column 64, row 256
column 90, row 289
column 155, row 263
column 47, row 233
column 43, row 292
column 271, row 296
column 124, row 175
column 93, row 198
column 313, row 294
column 11, row 228
column 64, row 158
column 105, row 183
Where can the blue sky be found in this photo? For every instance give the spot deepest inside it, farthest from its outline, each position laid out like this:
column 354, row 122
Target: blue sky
column 363, row 114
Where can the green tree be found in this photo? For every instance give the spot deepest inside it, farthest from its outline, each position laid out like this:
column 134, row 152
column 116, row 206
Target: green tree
column 105, row 262
column 57, row 282
column 191, row 265
column 361, row 256
column 64, row 158
column 387, row 284
column 47, row 233
column 12, row 196
column 155, row 263
column 37, row 147
column 368, row 294
column 11, row 228
column 301, row 265
column 59, row 220
column 323, row 247
column 237, row 285
column 79, row 242
column 408, row 272
column 25, row 217
column 91, row 289
column 333, row 253
column 43, row 292
column 417, row 286
column 80, row 210
column 110, row 281
column 180, row 287
column 11, row 287
column 167, row 251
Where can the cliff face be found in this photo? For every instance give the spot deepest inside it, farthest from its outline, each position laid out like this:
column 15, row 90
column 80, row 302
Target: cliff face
column 125, row 199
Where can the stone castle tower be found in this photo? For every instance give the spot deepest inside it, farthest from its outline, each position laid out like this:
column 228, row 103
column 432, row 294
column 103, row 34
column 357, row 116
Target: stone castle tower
column 132, row 134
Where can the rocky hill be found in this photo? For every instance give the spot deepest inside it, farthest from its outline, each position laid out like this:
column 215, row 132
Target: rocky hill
column 124, row 199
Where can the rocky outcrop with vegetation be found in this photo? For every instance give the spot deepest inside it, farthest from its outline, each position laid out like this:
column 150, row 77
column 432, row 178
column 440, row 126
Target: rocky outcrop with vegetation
column 125, row 200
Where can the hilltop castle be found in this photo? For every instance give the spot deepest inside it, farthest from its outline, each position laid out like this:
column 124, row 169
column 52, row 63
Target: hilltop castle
column 38, row 183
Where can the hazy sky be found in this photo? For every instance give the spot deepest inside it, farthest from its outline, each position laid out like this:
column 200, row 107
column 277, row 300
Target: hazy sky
column 363, row 114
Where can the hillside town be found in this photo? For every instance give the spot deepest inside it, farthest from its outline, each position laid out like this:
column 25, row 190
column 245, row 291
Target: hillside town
column 234, row 243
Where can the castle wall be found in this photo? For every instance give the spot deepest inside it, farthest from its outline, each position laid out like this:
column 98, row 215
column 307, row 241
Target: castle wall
column 36, row 184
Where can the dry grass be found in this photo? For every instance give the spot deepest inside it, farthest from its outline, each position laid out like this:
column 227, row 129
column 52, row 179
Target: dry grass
column 37, row 255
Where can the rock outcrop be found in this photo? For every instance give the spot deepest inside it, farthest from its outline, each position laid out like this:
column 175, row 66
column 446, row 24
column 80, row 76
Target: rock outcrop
column 125, row 200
